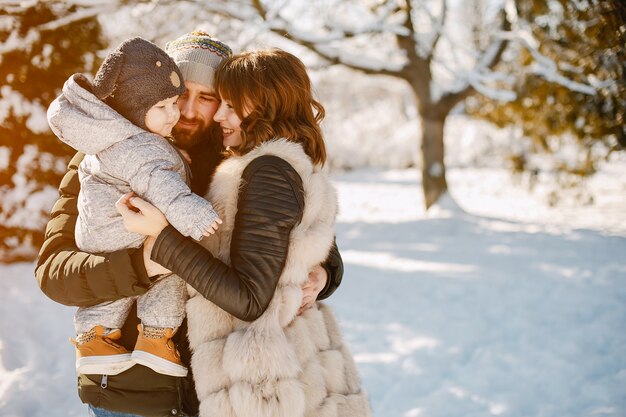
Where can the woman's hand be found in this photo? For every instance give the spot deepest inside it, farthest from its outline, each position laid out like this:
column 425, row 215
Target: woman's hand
column 140, row 216
column 311, row 289
column 152, row 268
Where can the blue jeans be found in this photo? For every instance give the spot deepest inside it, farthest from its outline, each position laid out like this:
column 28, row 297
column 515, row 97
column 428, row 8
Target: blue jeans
column 101, row 412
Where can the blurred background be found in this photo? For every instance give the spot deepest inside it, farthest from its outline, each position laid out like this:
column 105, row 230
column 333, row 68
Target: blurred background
column 394, row 75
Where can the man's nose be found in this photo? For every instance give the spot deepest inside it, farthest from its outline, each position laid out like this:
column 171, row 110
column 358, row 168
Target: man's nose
column 186, row 108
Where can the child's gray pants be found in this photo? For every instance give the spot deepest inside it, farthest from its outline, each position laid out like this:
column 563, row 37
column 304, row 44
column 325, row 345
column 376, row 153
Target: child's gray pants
column 162, row 306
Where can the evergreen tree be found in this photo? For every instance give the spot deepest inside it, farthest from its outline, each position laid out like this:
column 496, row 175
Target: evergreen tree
column 585, row 39
column 43, row 43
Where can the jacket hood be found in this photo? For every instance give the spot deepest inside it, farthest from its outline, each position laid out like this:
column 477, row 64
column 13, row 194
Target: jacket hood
column 84, row 122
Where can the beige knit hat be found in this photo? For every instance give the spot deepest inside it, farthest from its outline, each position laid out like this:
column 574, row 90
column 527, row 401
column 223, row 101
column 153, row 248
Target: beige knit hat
column 197, row 55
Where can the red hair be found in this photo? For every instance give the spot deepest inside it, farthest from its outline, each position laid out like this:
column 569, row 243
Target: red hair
column 273, row 86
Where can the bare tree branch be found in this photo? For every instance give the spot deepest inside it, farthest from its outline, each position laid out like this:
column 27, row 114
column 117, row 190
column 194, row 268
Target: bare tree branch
column 489, row 60
column 318, row 46
column 336, row 59
column 417, row 70
column 442, row 22
column 379, row 25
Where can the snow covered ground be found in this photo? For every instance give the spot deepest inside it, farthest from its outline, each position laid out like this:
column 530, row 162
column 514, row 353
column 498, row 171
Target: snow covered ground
column 516, row 311
column 504, row 306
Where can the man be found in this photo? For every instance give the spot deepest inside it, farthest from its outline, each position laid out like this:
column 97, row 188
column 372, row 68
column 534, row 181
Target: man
column 71, row 277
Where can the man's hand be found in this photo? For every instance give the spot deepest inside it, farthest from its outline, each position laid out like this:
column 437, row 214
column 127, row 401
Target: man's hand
column 311, row 289
column 152, row 268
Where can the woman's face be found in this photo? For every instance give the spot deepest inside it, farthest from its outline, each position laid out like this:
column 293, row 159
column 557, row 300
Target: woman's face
column 230, row 123
column 163, row 116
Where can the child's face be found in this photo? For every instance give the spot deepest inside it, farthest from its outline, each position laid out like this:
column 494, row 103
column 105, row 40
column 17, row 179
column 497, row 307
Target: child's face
column 230, row 123
column 163, row 116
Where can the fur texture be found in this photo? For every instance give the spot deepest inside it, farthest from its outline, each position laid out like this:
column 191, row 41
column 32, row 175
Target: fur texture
column 281, row 365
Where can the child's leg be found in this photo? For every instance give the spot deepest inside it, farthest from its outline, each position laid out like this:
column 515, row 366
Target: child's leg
column 163, row 305
column 110, row 315
column 161, row 311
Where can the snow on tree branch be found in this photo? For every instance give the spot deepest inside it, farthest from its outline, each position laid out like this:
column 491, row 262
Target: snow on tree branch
column 436, row 23
column 13, row 102
column 544, row 66
column 365, row 21
column 241, row 10
column 480, row 82
column 17, row 42
column 439, row 26
column 357, row 61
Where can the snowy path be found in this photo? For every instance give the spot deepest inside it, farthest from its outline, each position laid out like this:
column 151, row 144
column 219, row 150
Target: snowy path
column 514, row 312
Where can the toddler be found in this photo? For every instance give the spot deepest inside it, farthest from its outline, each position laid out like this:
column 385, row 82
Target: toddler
column 122, row 121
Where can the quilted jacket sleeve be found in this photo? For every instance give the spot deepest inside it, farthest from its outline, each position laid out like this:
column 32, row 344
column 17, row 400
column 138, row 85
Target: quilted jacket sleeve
column 71, row 277
column 270, row 204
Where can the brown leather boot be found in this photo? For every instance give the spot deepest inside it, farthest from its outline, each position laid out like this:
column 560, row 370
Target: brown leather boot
column 97, row 352
column 156, row 350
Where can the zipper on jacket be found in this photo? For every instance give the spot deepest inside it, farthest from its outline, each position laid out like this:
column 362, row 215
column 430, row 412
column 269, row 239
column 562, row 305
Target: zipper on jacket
column 103, row 382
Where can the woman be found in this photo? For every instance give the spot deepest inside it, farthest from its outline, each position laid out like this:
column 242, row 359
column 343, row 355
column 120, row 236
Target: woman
column 278, row 208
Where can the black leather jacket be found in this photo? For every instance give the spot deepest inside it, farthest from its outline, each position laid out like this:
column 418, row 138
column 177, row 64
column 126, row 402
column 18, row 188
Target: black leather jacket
column 269, row 205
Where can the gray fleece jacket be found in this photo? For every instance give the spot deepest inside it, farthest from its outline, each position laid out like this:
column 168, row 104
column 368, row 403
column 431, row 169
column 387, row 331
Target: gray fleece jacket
column 121, row 157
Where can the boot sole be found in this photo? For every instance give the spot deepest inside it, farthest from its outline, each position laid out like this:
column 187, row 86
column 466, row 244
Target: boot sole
column 104, row 365
column 158, row 364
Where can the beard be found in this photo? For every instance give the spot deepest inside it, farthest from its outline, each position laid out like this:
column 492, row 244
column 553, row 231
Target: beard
column 187, row 138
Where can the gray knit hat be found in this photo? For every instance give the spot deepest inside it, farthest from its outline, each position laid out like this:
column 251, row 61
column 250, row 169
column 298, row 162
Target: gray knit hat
column 136, row 76
column 198, row 55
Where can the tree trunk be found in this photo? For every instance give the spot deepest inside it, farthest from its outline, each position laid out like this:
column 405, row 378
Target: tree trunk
column 433, row 167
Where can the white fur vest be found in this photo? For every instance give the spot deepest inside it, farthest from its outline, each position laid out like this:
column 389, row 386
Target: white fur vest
column 281, row 365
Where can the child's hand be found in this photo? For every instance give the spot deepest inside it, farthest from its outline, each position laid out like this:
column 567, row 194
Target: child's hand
column 213, row 227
